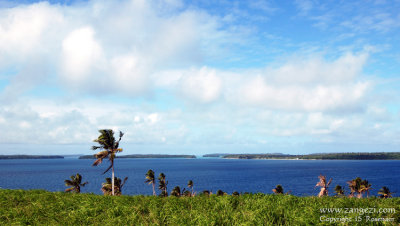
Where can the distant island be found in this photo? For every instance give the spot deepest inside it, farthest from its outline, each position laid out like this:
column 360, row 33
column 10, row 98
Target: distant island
column 319, row 156
column 31, row 157
column 214, row 155
column 146, row 156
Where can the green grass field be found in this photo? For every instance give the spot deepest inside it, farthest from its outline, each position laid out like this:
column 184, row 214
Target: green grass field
column 21, row 207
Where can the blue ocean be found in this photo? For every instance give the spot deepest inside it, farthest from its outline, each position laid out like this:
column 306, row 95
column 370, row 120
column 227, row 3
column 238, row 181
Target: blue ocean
column 297, row 176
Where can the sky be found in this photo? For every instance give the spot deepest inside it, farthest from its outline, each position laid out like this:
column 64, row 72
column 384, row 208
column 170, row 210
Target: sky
column 197, row 77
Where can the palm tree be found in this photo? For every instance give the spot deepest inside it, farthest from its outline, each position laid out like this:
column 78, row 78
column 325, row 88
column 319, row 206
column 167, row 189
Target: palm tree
column 385, row 193
column 359, row 186
column 162, row 185
column 150, row 179
column 354, row 186
column 235, row 193
column 190, row 185
column 75, row 183
column 324, row 185
column 365, row 187
column 110, row 148
column 278, row 189
column 176, row 191
column 220, row 193
column 107, row 188
column 339, row 190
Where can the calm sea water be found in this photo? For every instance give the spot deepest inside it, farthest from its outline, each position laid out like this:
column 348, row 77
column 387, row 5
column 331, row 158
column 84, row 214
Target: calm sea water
column 228, row 175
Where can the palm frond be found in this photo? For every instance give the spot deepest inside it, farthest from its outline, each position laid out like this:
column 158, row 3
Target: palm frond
column 111, row 165
column 106, row 139
column 97, row 162
column 150, row 177
column 123, row 183
column 69, row 189
column 149, row 181
column 321, row 182
column 95, row 147
column 120, row 136
column 102, row 154
column 330, row 181
column 78, row 178
column 68, row 183
column 161, row 176
column 108, row 180
column 278, row 189
column 99, row 157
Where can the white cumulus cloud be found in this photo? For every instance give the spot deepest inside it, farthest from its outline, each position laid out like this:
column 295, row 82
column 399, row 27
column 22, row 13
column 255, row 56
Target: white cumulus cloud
column 203, row 85
column 306, row 85
column 80, row 53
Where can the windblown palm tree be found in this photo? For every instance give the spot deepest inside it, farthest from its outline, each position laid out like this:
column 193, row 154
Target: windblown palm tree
column 75, row 183
column 118, row 184
column 110, row 148
column 385, row 192
column 162, row 185
column 150, row 179
column 365, row 187
column 176, row 191
column 354, row 186
column 190, row 185
column 339, row 190
column 278, row 189
column 324, row 185
column 358, row 186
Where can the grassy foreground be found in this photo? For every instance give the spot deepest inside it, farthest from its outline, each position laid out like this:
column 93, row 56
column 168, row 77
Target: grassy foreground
column 34, row 207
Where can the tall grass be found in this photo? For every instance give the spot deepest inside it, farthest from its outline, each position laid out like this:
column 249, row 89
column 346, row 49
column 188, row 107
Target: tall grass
column 54, row 208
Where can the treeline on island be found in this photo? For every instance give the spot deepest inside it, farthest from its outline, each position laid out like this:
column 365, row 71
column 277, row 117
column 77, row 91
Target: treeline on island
column 31, row 157
column 320, row 156
column 142, row 156
column 356, row 156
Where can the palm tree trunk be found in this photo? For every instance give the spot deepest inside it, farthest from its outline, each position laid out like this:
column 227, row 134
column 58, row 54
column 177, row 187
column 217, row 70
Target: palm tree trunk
column 165, row 189
column 154, row 191
column 112, row 180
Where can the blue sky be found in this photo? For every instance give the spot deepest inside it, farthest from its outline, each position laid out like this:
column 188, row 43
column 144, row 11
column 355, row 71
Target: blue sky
column 197, row 77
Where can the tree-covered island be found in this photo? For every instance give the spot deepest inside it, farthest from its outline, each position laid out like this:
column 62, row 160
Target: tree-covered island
column 31, row 157
column 319, row 156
